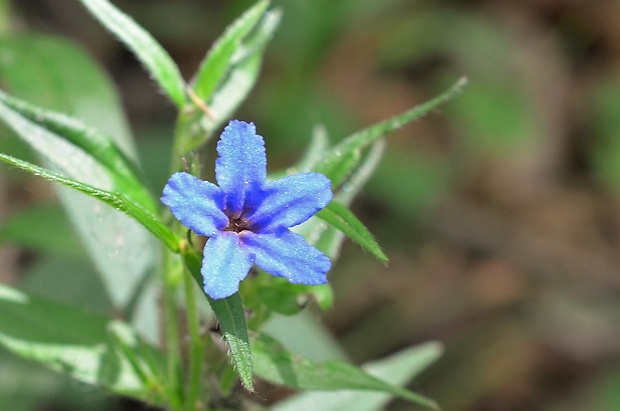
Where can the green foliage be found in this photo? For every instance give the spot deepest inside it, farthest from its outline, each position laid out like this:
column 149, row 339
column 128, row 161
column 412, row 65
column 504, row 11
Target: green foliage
column 42, row 228
column 397, row 369
column 217, row 62
column 150, row 53
column 231, row 316
column 229, row 71
column 81, row 89
column 90, row 348
column 100, row 146
column 90, row 151
column 329, row 164
column 273, row 363
column 242, row 72
column 339, row 216
column 122, row 250
column 116, row 200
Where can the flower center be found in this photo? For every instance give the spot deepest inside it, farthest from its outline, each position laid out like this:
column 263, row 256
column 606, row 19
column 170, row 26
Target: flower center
column 238, row 224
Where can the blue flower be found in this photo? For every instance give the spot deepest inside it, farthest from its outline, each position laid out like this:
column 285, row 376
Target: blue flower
column 248, row 218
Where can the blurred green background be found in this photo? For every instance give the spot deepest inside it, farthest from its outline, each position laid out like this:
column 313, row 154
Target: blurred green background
column 500, row 212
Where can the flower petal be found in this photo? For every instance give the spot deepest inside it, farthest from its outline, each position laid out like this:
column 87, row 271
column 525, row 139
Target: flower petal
column 241, row 168
column 197, row 204
column 290, row 201
column 225, row 263
column 286, row 254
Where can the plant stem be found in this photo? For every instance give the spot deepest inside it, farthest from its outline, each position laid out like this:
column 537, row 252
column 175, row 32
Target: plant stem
column 173, row 350
column 197, row 349
column 185, row 128
column 181, row 160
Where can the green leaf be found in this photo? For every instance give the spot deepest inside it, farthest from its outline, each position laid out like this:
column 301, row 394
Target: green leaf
column 24, row 386
column 88, row 347
column 100, row 146
column 42, row 228
column 325, row 237
column 116, row 200
column 241, row 75
column 80, row 89
column 122, row 250
column 339, row 216
column 66, row 280
column 274, row 364
column 28, row 386
column 397, row 369
column 361, row 174
column 280, row 296
column 150, row 53
column 218, row 60
column 231, row 316
column 343, row 167
column 315, row 151
column 330, row 240
column 332, row 162
column 305, row 335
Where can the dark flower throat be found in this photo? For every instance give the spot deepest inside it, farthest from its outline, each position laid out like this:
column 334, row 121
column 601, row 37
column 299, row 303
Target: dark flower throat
column 238, row 224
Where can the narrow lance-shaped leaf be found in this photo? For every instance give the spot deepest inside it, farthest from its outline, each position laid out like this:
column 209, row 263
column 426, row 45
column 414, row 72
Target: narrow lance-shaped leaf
column 397, row 369
column 360, row 175
column 88, row 347
column 343, row 167
column 101, row 147
column 371, row 134
column 218, row 60
column 231, row 316
column 330, row 240
column 339, row 216
column 315, row 150
column 241, row 75
column 150, row 53
column 82, row 89
column 116, row 200
column 123, row 252
column 273, row 363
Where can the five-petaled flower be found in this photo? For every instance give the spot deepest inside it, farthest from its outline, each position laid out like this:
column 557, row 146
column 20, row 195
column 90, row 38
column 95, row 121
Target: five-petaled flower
column 248, row 218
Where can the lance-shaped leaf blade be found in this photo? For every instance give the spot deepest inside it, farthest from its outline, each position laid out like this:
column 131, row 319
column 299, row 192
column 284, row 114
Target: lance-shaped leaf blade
column 115, row 200
column 122, row 250
column 148, row 51
column 241, row 75
column 86, row 346
column 331, row 164
column 219, row 58
column 80, row 89
column 273, row 363
column 122, row 170
column 231, row 316
column 340, row 217
column 330, row 239
column 397, row 369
